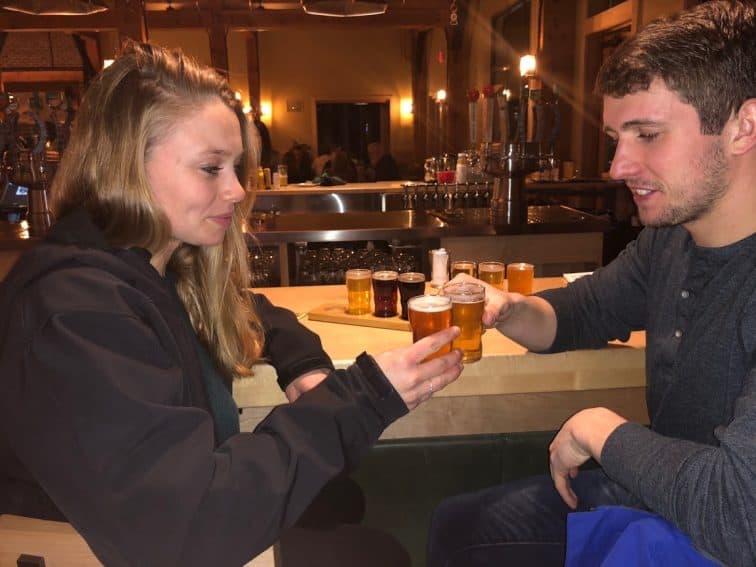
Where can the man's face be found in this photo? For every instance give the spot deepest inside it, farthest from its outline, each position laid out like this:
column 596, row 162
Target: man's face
column 677, row 174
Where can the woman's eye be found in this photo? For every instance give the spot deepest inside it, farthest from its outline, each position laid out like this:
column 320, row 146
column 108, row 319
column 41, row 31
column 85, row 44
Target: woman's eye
column 211, row 169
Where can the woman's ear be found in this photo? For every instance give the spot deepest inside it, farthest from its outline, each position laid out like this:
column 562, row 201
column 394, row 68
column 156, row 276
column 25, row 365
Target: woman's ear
column 744, row 128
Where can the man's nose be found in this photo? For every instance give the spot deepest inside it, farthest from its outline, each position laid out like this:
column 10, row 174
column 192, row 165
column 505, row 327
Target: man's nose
column 625, row 162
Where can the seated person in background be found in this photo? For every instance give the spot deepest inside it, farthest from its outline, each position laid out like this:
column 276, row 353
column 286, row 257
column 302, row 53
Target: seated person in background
column 321, row 162
column 382, row 164
column 341, row 166
column 298, row 160
column 680, row 101
column 266, row 148
column 125, row 326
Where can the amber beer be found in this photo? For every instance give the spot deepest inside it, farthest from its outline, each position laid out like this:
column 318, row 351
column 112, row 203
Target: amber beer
column 520, row 278
column 463, row 267
column 385, row 293
column 468, row 300
column 429, row 314
column 492, row 273
column 410, row 285
column 358, row 291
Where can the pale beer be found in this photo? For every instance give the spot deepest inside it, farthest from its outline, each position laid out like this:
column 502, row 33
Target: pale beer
column 468, row 301
column 358, row 291
column 520, row 278
column 429, row 314
column 463, row 267
column 492, row 273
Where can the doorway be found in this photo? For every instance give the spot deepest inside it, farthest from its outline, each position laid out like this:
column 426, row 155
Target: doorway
column 352, row 126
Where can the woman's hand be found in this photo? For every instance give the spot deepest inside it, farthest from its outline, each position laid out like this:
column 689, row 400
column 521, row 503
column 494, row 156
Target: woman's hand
column 416, row 381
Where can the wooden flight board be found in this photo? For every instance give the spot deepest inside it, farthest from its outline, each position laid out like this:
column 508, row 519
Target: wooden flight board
column 335, row 312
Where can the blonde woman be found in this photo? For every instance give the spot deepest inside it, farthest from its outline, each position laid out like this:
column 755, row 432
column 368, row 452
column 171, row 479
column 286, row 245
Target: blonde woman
column 123, row 329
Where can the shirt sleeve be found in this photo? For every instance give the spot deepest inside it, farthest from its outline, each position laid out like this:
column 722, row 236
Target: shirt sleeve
column 605, row 306
column 92, row 403
column 290, row 347
column 707, row 491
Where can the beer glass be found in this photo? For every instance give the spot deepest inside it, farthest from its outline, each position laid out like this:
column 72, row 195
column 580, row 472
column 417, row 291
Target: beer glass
column 468, row 300
column 492, row 273
column 520, row 278
column 283, row 175
column 358, row 291
column 429, row 314
column 385, row 293
column 410, row 285
column 463, row 267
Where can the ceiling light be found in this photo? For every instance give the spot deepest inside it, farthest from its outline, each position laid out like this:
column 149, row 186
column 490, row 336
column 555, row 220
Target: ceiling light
column 344, row 8
column 54, row 7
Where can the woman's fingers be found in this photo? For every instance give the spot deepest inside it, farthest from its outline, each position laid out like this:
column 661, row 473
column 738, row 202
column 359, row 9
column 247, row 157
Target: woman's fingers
column 414, row 377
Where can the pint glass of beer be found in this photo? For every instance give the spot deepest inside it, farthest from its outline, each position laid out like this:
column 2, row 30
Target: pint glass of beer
column 410, row 285
column 492, row 273
column 358, row 291
column 463, row 267
column 429, row 314
column 520, row 278
column 385, row 293
column 467, row 313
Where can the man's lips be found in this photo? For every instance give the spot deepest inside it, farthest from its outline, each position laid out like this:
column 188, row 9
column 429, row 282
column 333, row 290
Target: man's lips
column 641, row 191
column 639, row 188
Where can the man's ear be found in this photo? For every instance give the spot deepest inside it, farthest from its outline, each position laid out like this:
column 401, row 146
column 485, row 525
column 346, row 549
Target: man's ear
column 744, row 128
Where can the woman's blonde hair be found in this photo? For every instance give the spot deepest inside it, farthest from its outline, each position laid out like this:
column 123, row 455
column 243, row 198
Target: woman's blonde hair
column 125, row 111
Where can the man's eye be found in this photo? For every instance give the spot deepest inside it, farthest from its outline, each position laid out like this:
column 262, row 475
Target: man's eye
column 211, row 169
column 648, row 136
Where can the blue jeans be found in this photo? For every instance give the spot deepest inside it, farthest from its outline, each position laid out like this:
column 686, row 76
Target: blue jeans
column 522, row 522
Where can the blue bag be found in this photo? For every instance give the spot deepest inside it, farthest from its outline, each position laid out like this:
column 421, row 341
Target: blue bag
column 613, row 536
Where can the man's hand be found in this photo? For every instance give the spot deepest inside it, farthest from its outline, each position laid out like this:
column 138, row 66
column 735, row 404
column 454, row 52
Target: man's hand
column 580, row 438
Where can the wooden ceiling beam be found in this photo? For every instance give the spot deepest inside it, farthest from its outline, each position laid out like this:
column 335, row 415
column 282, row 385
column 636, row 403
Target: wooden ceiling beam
column 417, row 18
column 27, row 23
column 267, row 20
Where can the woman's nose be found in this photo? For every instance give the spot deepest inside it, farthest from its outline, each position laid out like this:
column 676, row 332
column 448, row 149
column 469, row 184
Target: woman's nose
column 234, row 192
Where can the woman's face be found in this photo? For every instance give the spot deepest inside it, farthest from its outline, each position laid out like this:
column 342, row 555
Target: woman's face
column 192, row 174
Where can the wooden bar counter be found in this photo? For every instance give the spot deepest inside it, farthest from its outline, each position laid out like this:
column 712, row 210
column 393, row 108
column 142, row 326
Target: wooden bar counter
column 509, row 389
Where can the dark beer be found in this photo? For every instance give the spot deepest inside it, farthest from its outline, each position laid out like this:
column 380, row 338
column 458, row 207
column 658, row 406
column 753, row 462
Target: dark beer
column 410, row 285
column 385, row 293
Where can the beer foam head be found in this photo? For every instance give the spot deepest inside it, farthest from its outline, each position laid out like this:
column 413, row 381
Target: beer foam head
column 411, row 277
column 429, row 303
column 385, row 275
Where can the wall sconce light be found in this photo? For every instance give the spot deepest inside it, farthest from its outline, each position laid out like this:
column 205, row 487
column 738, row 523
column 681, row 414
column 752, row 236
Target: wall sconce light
column 238, row 95
column 441, row 95
column 107, row 63
column 406, row 109
column 527, row 65
column 247, row 108
column 266, row 111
